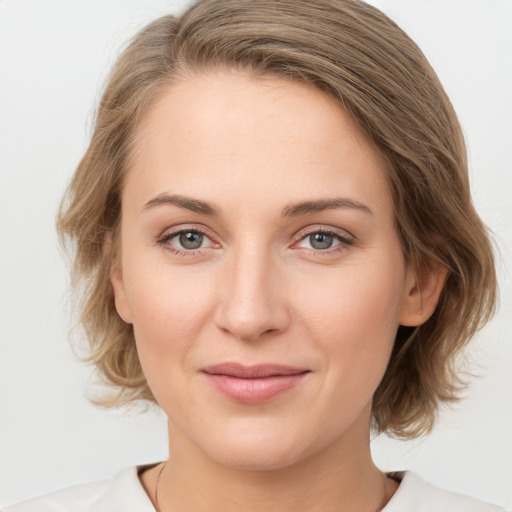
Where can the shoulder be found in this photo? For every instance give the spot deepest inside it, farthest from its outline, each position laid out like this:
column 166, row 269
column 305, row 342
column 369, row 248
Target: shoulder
column 123, row 493
column 416, row 495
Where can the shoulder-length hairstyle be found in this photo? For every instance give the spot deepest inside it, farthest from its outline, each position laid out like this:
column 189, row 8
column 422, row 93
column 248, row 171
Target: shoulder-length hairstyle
column 358, row 56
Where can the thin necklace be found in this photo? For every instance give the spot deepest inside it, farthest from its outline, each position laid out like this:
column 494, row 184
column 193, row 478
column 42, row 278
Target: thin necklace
column 156, row 488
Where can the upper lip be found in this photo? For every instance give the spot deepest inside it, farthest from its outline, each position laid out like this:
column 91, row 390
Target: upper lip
column 252, row 371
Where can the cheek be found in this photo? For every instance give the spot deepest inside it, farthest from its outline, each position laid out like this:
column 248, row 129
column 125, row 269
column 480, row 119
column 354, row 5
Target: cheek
column 352, row 301
column 169, row 309
column 161, row 295
column 353, row 318
column 353, row 325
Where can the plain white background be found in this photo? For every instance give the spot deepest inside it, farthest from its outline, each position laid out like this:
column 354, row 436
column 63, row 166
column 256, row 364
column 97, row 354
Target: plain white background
column 54, row 57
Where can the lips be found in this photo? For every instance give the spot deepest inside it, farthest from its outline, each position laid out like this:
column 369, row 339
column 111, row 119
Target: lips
column 253, row 384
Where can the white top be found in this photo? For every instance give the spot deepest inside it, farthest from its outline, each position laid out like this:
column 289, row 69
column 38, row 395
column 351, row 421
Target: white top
column 124, row 493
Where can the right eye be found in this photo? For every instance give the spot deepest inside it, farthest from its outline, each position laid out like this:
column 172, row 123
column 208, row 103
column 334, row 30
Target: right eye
column 321, row 241
column 188, row 240
column 185, row 242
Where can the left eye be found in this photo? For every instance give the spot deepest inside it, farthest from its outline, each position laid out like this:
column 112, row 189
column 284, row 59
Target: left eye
column 189, row 240
column 321, row 241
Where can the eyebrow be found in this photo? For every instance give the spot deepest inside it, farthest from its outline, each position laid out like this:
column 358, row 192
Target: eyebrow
column 292, row 210
column 188, row 203
column 307, row 207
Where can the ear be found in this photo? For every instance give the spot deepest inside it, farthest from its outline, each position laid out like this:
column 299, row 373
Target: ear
column 421, row 293
column 117, row 280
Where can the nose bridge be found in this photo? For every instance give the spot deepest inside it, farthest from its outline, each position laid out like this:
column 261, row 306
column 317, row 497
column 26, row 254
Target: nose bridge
column 251, row 303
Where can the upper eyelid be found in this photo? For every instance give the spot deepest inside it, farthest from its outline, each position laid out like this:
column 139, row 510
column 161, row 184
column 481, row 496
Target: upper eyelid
column 171, row 232
column 344, row 237
column 319, row 228
column 164, row 242
column 343, row 240
column 180, row 228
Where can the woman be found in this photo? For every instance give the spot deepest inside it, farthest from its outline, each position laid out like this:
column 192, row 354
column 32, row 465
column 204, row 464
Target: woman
column 275, row 233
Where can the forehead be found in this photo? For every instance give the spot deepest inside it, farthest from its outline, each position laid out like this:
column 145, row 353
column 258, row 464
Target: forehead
column 235, row 131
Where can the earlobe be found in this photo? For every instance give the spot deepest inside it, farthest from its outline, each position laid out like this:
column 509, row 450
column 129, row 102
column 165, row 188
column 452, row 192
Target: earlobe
column 422, row 293
column 117, row 283
column 116, row 279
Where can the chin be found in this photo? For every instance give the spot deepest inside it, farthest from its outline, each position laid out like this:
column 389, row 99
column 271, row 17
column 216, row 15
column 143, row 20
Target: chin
column 257, row 459
column 257, row 450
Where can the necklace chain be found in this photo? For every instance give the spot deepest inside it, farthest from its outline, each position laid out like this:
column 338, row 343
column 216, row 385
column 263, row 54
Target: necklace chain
column 156, row 488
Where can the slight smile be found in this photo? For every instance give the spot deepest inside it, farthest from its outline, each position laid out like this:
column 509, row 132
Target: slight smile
column 253, row 384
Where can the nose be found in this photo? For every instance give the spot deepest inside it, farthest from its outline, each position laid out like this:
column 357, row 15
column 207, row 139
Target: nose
column 252, row 301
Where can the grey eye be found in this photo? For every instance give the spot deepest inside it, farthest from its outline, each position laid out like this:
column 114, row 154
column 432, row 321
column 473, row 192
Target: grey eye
column 191, row 240
column 321, row 241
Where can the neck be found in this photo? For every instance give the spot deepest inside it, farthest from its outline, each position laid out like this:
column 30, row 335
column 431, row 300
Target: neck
column 341, row 477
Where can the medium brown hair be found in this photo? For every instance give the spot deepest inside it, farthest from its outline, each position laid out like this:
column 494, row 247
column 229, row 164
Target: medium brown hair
column 362, row 59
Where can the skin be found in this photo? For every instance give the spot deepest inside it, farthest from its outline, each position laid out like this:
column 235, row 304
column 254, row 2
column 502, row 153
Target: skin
column 258, row 291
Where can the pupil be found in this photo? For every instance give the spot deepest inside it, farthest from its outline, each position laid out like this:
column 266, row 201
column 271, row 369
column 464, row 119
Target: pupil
column 191, row 240
column 321, row 241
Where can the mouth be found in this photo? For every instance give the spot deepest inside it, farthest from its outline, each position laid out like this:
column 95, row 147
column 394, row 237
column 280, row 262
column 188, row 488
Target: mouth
column 253, row 384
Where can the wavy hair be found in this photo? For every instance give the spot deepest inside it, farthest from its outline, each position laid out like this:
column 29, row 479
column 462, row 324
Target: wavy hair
column 358, row 56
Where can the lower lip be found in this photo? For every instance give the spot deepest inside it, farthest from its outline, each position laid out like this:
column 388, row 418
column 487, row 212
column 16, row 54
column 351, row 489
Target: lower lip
column 254, row 391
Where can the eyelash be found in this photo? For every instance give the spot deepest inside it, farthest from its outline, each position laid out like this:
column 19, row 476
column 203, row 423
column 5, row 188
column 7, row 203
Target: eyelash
column 344, row 240
column 163, row 241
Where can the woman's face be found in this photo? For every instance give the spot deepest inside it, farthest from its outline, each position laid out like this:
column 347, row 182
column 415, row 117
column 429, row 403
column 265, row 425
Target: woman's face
column 261, row 269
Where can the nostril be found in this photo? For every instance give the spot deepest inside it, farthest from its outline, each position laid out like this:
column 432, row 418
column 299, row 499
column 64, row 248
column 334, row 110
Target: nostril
column 247, row 332
column 249, row 306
